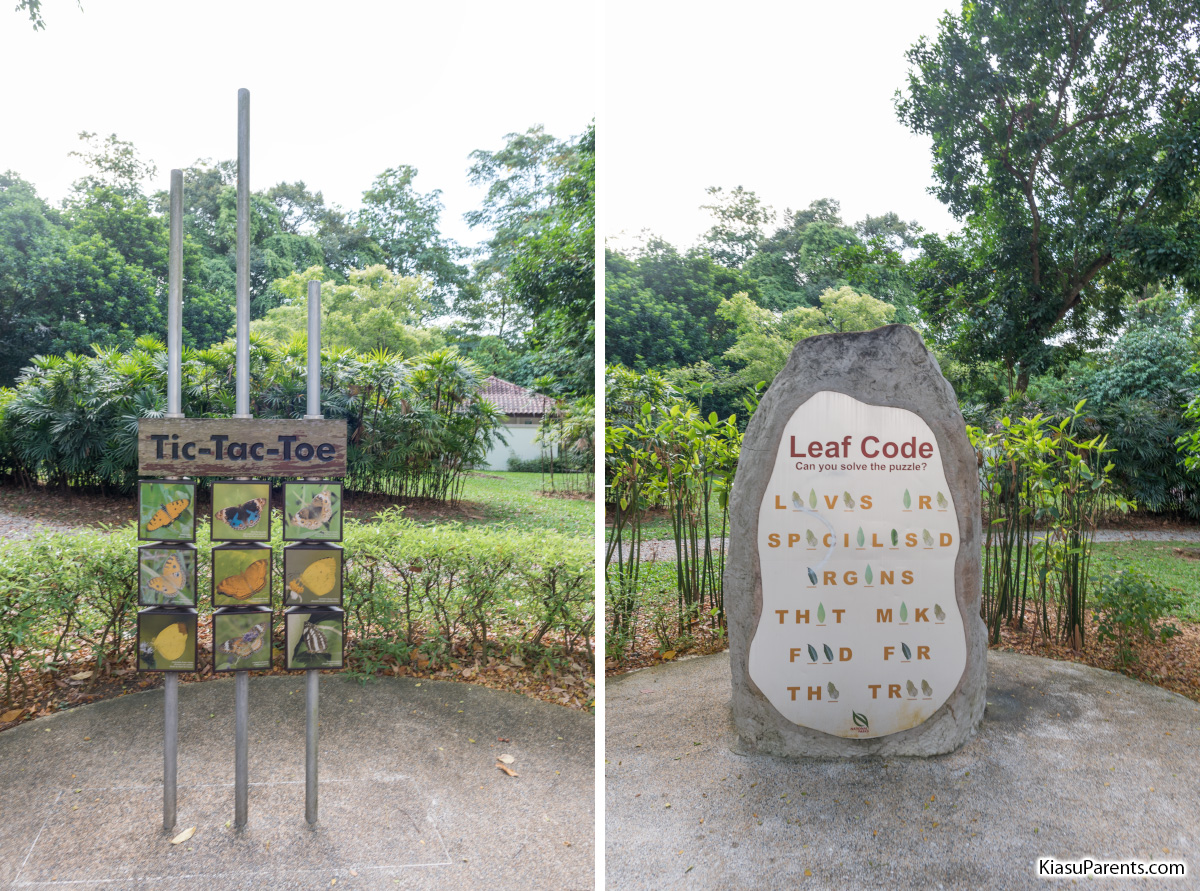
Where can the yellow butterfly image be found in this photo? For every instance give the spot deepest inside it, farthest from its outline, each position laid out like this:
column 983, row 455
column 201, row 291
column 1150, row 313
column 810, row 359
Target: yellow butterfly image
column 168, row 513
column 172, row 581
column 319, row 578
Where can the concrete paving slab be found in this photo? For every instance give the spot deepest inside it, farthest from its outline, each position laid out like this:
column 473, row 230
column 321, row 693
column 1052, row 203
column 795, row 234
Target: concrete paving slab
column 1070, row 762
column 409, row 794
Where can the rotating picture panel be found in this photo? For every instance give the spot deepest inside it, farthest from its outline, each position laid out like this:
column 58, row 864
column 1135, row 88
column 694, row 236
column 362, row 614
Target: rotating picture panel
column 241, row 575
column 314, row 637
column 312, row 575
column 312, row 510
column 167, row 575
column 242, row 639
column 241, row 510
column 166, row 639
column 166, row 510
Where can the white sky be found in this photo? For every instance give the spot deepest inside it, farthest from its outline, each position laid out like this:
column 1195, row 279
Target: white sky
column 338, row 91
column 792, row 100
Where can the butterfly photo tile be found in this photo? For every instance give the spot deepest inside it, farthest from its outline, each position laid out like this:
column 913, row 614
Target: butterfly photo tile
column 312, row 510
column 242, row 639
column 167, row 575
column 241, row 575
column 166, row 510
column 166, row 639
column 241, row 510
column 312, row 574
column 313, row 638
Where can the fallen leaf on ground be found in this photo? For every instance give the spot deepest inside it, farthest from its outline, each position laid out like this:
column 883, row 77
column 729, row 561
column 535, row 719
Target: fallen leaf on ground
column 507, row 759
column 82, row 676
column 183, row 836
column 508, row 770
column 11, row 716
column 668, row 655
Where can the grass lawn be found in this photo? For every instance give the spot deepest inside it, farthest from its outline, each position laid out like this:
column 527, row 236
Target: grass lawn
column 516, row 499
column 1161, row 561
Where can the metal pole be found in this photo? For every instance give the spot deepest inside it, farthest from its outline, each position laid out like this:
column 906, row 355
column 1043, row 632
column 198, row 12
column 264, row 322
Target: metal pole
column 174, row 410
column 312, row 676
column 314, row 351
column 311, row 701
column 170, row 747
column 241, row 768
column 243, row 257
column 241, row 702
column 175, row 299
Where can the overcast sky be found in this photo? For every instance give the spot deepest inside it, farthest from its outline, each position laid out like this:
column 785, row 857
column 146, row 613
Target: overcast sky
column 791, row 100
column 338, row 92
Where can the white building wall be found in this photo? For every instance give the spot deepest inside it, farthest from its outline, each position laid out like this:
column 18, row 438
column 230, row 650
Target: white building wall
column 520, row 434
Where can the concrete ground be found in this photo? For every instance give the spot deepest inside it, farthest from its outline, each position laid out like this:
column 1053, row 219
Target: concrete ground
column 1070, row 762
column 409, row 793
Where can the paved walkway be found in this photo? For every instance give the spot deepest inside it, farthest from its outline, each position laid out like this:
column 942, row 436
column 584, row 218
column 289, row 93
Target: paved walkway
column 1070, row 762
column 409, row 796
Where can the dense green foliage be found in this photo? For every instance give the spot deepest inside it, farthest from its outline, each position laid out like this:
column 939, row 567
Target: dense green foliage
column 408, row 589
column 1066, row 138
column 415, row 425
column 93, row 272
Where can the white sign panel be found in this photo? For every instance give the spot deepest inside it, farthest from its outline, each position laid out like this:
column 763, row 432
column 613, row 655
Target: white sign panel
column 860, row 634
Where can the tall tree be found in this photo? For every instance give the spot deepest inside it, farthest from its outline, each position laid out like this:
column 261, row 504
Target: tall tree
column 1066, row 136
column 738, row 220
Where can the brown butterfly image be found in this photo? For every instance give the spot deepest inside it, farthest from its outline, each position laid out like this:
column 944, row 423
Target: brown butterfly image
column 246, row 583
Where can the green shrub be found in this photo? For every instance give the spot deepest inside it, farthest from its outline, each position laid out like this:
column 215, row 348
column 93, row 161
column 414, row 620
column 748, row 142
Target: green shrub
column 1128, row 605
column 440, row 590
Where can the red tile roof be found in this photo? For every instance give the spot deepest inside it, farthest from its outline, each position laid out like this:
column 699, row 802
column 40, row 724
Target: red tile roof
column 513, row 399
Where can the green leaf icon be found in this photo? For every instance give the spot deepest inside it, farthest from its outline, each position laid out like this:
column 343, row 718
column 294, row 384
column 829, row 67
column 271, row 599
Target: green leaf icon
column 928, row 538
column 812, row 576
column 941, row 499
column 926, row 689
column 812, row 653
column 903, row 612
column 870, row 576
column 828, row 652
column 862, row 539
column 812, row 498
column 859, row 720
column 895, row 538
column 812, row 539
column 820, row 612
column 796, row 500
column 907, row 500
column 907, row 651
column 848, row 499
column 912, row 688
column 833, row 691
column 939, row 612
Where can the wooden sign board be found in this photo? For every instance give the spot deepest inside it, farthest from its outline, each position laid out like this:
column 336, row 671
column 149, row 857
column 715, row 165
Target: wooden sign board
column 237, row 447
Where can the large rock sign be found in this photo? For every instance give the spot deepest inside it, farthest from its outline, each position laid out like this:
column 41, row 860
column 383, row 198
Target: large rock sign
column 853, row 582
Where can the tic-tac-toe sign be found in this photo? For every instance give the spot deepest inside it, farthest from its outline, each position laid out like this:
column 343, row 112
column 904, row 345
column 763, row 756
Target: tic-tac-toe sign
column 853, row 579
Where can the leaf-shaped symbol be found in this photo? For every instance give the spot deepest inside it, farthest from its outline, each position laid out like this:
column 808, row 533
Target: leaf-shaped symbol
column 820, row 612
column 862, row 539
column 941, row 499
column 912, row 689
column 812, row 576
column 849, row 501
column 812, row 498
column 895, row 538
column 939, row 612
column 926, row 689
column 828, row 652
column 833, row 691
column 907, row 651
column 812, row 653
column 907, row 500
column 797, row 500
column 927, row 537
column 859, row 720
column 870, row 576
column 903, row 612
column 812, row 539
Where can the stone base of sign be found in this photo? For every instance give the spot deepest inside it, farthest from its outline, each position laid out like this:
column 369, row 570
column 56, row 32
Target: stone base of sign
column 890, row 367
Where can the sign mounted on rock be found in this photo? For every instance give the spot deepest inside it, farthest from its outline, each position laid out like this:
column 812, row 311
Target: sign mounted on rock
column 852, row 588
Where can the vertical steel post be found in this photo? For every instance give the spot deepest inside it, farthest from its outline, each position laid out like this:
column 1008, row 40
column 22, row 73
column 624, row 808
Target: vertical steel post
column 241, row 702
column 312, row 676
column 243, row 257
column 174, row 410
